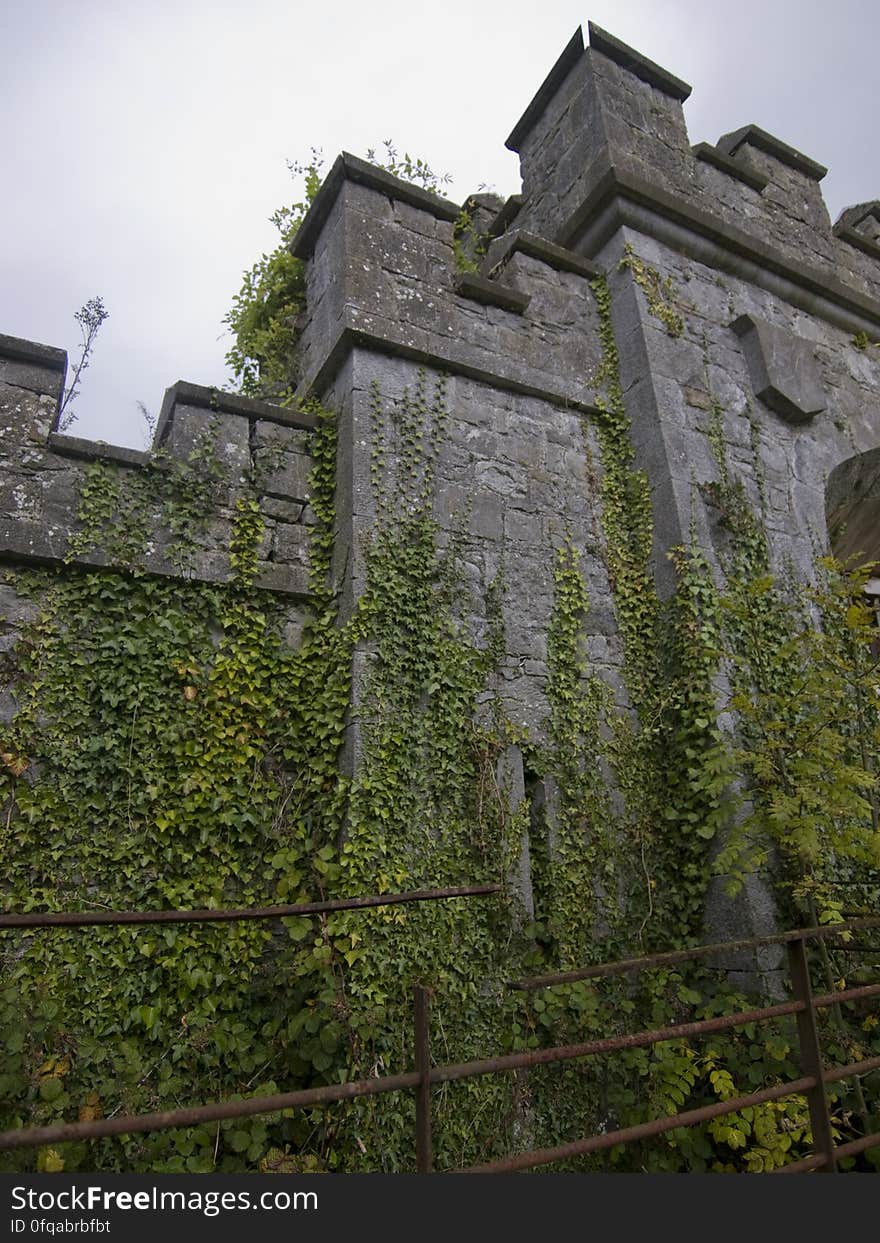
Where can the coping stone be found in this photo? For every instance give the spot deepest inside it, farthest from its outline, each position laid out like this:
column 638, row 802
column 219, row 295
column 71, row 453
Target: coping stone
column 711, row 155
column 77, row 447
column 847, row 227
column 754, row 136
column 490, row 293
column 506, row 215
column 556, row 257
column 348, row 167
column 184, row 393
column 20, row 350
column 852, row 217
column 628, row 58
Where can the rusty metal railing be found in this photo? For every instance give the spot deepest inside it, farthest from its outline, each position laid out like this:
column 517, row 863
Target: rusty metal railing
column 424, row 1077
column 129, row 1124
column 803, row 1004
column 88, row 919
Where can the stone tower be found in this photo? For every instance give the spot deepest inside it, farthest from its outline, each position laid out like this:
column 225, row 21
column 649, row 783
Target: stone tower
column 743, row 323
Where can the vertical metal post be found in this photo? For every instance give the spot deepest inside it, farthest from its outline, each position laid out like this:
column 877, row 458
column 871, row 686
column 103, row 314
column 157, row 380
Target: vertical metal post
column 424, row 1152
column 811, row 1056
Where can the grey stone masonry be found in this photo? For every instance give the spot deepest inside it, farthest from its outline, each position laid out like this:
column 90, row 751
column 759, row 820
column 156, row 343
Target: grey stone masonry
column 746, row 327
column 744, row 324
column 519, row 346
column 609, row 146
column 223, row 445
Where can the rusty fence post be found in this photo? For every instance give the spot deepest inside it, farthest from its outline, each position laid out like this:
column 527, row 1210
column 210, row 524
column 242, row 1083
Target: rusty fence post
column 424, row 1153
column 811, row 1056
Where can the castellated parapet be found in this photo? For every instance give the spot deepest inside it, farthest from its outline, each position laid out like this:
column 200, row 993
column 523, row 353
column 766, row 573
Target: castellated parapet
column 771, row 298
column 733, row 299
column 225, row 441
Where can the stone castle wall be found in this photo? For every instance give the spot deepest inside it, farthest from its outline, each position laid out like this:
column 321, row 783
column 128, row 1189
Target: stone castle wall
column 775, row 308
column 213, row 445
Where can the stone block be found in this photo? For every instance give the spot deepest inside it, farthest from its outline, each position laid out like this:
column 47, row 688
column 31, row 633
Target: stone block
column 289, row 480
column 522, row 527
column 782, row 367
column 285, row 579
column 282, row 511
column 487, row 516
column 196, row 435
column 290, row 544
column 8, row 708
column 275, row 437
column 16, row 610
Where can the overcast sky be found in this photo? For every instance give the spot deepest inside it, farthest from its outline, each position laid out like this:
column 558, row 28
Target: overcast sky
column 144, row 144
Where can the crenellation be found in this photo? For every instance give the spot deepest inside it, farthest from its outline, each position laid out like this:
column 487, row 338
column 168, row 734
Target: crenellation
column 214, row 441
column 717, row 158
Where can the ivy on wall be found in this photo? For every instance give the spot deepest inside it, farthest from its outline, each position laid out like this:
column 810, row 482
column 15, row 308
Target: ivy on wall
column 170, row 750
column 651, row 801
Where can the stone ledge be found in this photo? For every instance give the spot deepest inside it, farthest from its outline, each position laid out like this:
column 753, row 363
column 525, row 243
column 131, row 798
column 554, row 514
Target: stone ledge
column 571, row 54
column 185, row 394
column 628, row 58
column 854, row 238
column 23, row 543
column 853, row 216
column 745, row 256
column 40, row 369
column 349, row 339
column 18, row 349
column 349, row 167
column 506, row 216
column 556, row 257
column 711, row 155
column 490, row 293
column 96, row 450
column 34, row 377
column 754, row 136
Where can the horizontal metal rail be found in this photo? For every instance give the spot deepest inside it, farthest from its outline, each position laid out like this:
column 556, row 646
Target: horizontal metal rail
column 613, row 1044
column 644, row 1130
column 331, row 1093
column 84, row 919
column 220, row 1111
column 688, row 1118
column 819, row 1160
column 811, row 1083
column 668, row 957
column 855, row 1068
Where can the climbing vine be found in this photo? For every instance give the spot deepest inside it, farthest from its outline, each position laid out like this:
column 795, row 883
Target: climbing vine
column 428, row 801
column 670, row 795
column 659, row 291
column 169, row 749
column 120, row 509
